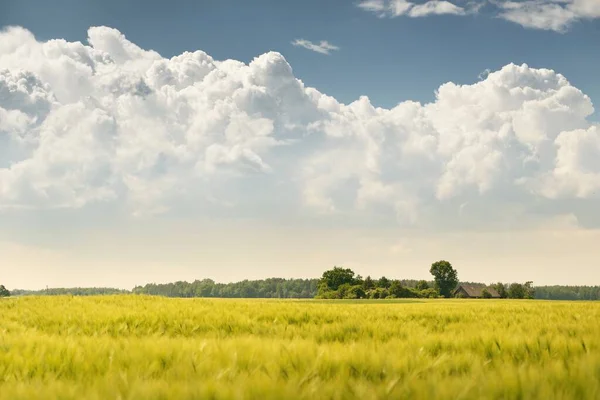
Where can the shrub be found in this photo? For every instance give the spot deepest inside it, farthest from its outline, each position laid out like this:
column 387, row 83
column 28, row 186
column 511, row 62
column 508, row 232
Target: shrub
column 379, row 293
column 355, row 292
column 429, row 293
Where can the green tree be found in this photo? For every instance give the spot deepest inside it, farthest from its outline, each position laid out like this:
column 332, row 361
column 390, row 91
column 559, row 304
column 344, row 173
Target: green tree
column 336, row 277
column 358, row 280
column 501, row 289
column 379, row 293
column 517, row 291
column 368, row 283
column 445, row 277
column 486, row 294
column 384, row 282
column 4, row 291
column 355, row 292
column 422, row 285
column 529, row 290
column 429, row 293
column 399, row 291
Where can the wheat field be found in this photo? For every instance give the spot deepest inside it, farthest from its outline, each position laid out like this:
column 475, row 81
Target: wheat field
column 140, row 347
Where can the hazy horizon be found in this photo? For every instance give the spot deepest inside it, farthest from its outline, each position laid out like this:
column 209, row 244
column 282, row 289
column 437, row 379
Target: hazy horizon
column 132, row 258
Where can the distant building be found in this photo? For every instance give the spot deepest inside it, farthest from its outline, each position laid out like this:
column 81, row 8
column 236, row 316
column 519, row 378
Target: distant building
column 474, row 291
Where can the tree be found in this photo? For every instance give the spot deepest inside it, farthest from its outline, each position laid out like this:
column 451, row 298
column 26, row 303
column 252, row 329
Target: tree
column 4, row 291
column 368, row 283
column 486, row 294
column 336, row 277
column 355, row 292
column 529, row 290
column 445, row 277
column 429, row 293
column 399, row 291
column 521, row 291
column 501, row 289
column 358, row 280
column 384, row 282
column 422, row 285
column 342, row 291
column 516, row 291
column 379, row 293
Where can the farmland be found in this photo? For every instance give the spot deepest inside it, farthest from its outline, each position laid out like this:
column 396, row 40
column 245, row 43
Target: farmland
column 142, row 347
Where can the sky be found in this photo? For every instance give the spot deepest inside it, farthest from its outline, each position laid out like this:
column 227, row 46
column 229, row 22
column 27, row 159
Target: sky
column 150, row 141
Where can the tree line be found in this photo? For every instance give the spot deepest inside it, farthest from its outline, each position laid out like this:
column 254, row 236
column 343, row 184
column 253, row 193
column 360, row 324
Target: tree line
column 76, row 291
column 264, row 288
column 343, row 283
column 336, row 283
column 557, row 292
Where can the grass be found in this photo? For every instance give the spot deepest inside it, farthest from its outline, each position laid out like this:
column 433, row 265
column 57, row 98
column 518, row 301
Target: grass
column 138, row 347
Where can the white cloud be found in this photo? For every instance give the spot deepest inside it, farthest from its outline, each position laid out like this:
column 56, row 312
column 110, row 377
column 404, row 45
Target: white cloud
column 435, row 8
column 576, row 168
column 110, row 122
column 324, row 47
column 555, row 15
column 396, row 8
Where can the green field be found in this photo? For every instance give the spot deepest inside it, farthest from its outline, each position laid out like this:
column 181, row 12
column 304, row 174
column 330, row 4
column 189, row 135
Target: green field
column 138, row 347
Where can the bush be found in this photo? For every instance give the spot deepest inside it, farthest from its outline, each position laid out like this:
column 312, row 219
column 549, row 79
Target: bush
column 379, row 293
column 422, row 285
column 328, row 294
column 355, row 292
column 399, row 291
column 429, row 294
column 343, row 290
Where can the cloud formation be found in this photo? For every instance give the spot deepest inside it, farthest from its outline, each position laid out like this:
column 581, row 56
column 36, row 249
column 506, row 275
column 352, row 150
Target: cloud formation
column 396, row 8
column 111, row 122
column 324, row 47
column 555, row 15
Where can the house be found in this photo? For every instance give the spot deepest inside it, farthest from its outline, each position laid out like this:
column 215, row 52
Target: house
column 473, row 291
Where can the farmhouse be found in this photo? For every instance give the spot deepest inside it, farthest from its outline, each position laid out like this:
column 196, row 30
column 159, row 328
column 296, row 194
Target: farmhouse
column 474, row 291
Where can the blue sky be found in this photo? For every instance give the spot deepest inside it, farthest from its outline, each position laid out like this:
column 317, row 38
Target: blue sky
column 258, row 156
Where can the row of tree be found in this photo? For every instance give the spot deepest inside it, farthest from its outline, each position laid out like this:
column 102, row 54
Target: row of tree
column 76, row 291
column 337, row 283
column 567, row 292
column 265, row 288
column 342, row 283
column 515, row 290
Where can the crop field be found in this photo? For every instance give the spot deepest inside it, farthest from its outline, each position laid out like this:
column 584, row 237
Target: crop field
column 139, row 347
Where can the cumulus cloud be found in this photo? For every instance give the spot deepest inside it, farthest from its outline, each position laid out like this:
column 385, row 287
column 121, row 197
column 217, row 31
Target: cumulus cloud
column 555, row 15
column 396, row 8
column 576, row 169
column 108, row 121
column 324, row 47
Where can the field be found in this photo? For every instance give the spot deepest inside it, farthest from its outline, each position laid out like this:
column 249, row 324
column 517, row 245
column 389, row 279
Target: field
column 138, row 347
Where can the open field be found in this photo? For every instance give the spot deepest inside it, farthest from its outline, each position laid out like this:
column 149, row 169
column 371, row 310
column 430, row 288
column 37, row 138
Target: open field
column 137, row 347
